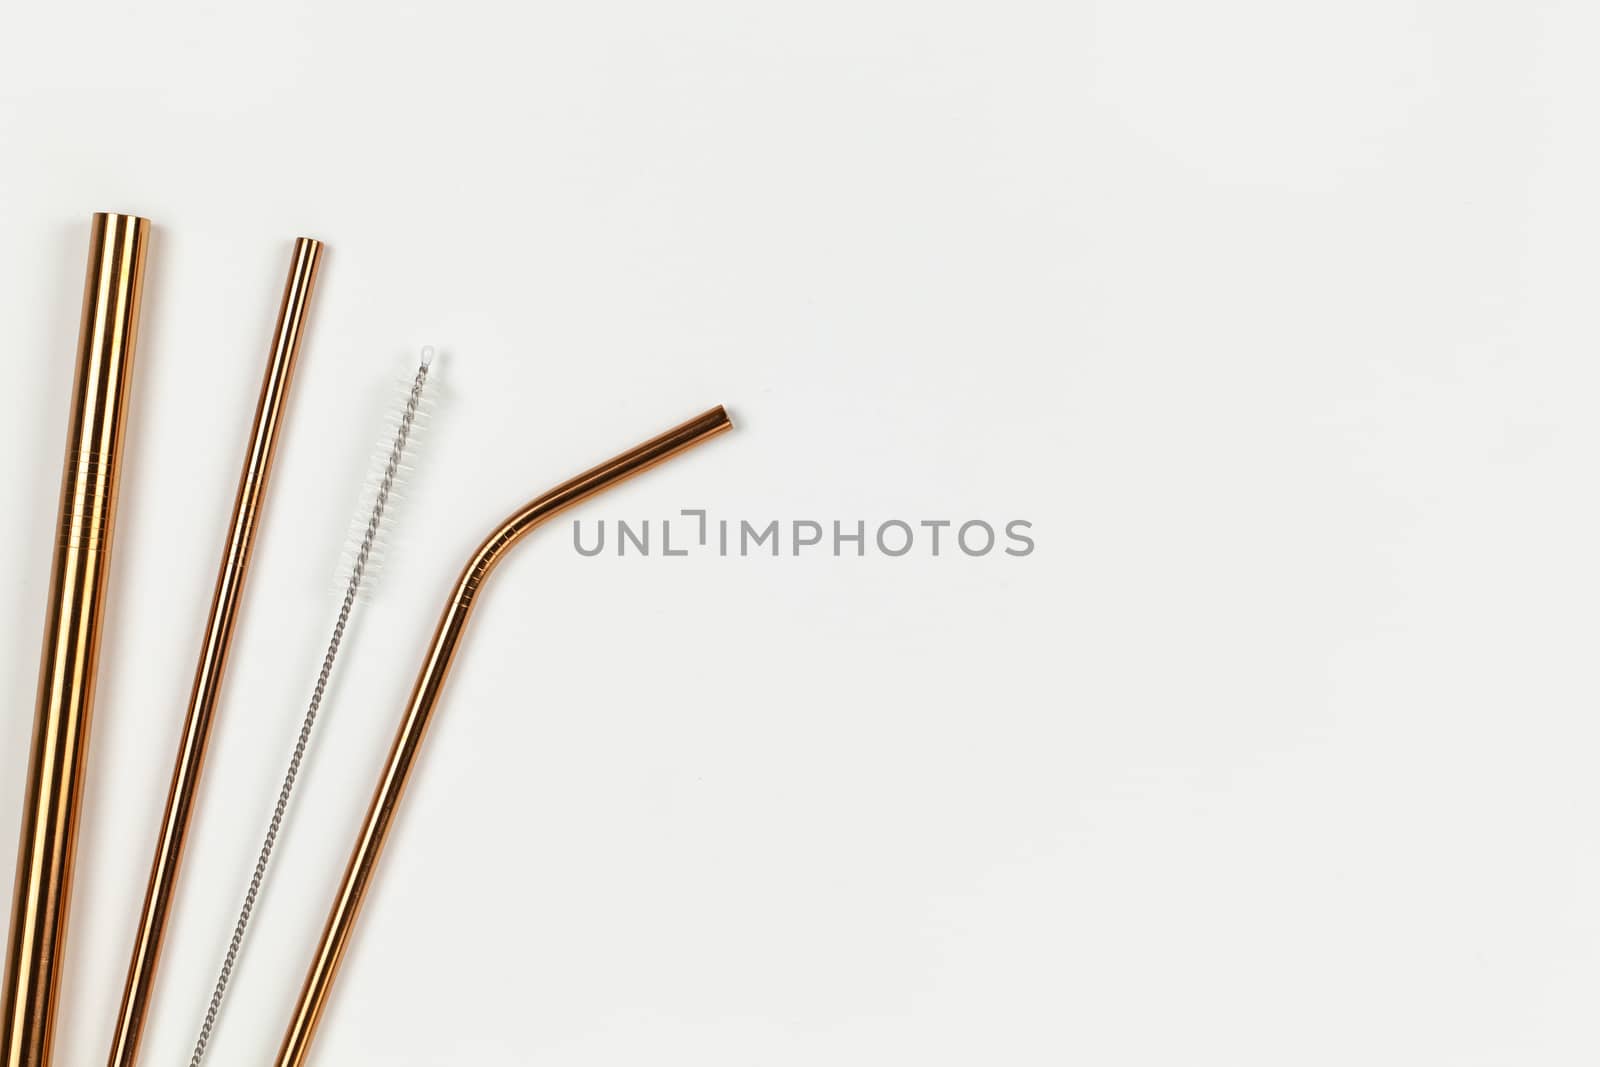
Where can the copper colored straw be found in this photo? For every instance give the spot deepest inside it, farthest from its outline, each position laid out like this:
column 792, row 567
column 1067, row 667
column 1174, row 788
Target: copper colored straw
column 57, row 756
column 208, row 674
column 425, row 698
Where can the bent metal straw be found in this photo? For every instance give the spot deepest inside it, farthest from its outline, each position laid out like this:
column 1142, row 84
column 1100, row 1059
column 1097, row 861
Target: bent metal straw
column 425, row 698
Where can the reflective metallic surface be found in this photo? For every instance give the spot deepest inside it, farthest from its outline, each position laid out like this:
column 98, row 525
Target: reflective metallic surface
column 208, row 676
column 54, row 793
column 425, row 696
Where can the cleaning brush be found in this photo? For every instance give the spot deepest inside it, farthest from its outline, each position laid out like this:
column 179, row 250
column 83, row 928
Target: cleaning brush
column 363, row 555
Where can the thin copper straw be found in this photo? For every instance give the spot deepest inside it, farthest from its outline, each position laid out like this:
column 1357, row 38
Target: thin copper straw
column 146, row 956
column 425, row 697
column 96, row 429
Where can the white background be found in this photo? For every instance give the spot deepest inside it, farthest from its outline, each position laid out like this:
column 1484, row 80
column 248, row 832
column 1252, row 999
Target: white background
column 1276, row 319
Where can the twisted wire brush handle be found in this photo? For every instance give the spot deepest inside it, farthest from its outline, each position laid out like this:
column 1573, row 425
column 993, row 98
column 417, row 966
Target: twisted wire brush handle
column 425, row 697
column 406, row 420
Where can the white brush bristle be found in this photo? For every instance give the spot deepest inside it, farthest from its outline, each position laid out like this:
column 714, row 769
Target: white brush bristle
column 394, row 416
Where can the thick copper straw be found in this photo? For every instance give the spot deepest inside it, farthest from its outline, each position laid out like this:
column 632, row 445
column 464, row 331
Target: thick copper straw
column 208, row 674
column 57, row 757
column 425, row 697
